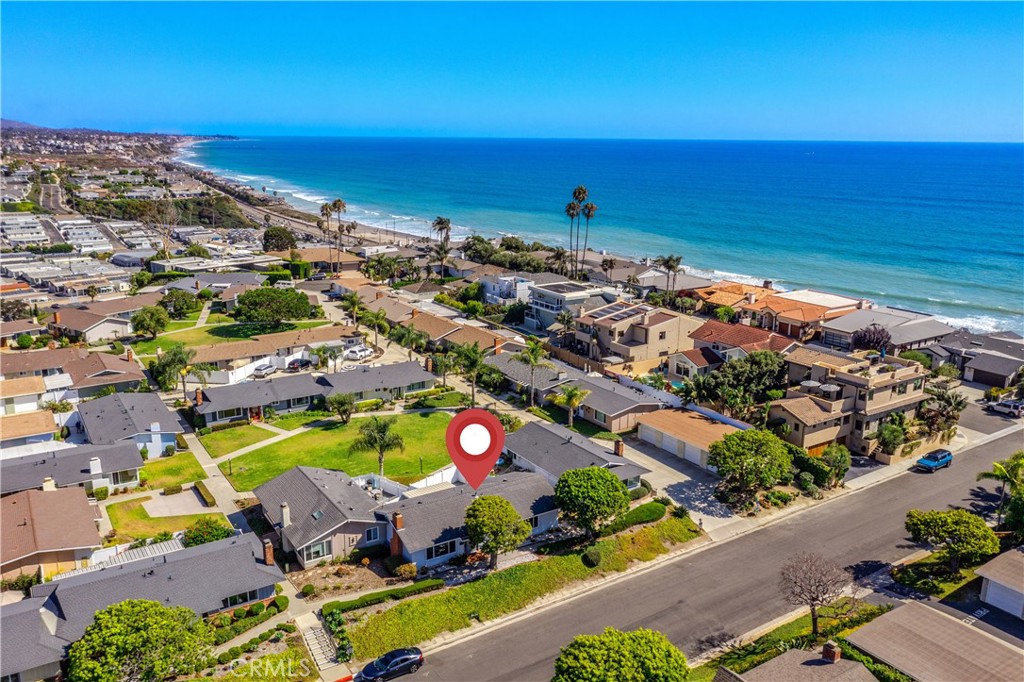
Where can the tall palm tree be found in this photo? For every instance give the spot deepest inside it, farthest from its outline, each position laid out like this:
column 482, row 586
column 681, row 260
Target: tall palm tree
column 588, row 211
column 352, row 303
column 568, row 322
column 607, row 265
column 325, row 212
column 579, row 197
column 533, row 357
column 375, row 435
column 338, row 206
column 440, row 253
column 633, row 282
column 471, row 364
column 1010, row 474
column 572, row 210
column 560, row 261
column 92, row 292
column 350, row 229
column 443, row 227
column 444, row 363
column 375, row 319
column 670, row 264
column 570, row 397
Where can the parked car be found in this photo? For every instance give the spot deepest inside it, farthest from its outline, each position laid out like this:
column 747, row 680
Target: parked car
column 317, row 277
column 1012, row 408
column 935, row 460
column 357, row 353
column 392, row 664
column 264, row 371
column 298, row 365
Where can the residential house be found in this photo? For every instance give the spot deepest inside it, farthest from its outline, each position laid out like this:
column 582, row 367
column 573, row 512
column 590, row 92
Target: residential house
column 730, row 294
column 725, row 342
column 320, row 514
column 81, row 325
column 385, row 382
column 694, row 362
column 395, row 311
column 798, row 314
column 1003, row 582
column 548, row 300
column 687, row 434
column 10, row 331
column 88, row 466
column 47, row 532
column 552, row 449
column 837, row 403
column 24, row 428
column 509, row 289
column 215, row 281
column 138, row 417
column 806, row 666
column 990, row 359
column 73, row 373
column 631, row 332
column 545, row 378
column 908, row 329
column 434, row 326
column 427, row 528
column 235, row 573
column 611, row 405
column 644, row 278
column 227, row 299
column 325, row 259
column 467, row 335
column 22, row 395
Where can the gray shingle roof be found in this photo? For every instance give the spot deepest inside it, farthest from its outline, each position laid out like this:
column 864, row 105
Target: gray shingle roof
column 546, row 378
column 319, row 501
column 612, row 398
column 904, row 326
column 123, row 415
column 67, row 467
column 208, row 280
column 384, row 377
column 256, row 393
column 26, row 643
column 556, row 449
column 995, row 364
column 437, row 517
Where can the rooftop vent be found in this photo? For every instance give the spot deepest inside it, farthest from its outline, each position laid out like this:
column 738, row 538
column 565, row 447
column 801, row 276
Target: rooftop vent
column 317, row 515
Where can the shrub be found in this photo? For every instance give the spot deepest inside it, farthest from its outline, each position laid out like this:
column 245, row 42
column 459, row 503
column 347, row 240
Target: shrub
column 308, row 590
column 592, row 557
column 406, row 571
column 236, row 652
column 224, row 634
column 662, row 499
column 264, row 636
column 222, row 621
column 168, row 450
column 637, row 493
column 381, row 597
column 285, row 627
column 144, row 452
column 995, row 393
column 917, row 356
column 645, row 513
column 118, row 347
column 24, row 341
column 278, row 589
column 239, row 614
column 224, row 658
column 681, row 513
column 257, row 609
column 820, row 472
column 281, row 602
column 813, row 491
column 205, row 431
column 806, row 479
column 180, row 440
column 172, row 489
column 101, row 493
column 205, row 494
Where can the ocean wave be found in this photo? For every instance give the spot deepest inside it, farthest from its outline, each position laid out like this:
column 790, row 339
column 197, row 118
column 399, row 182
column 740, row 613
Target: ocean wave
column 979, row 324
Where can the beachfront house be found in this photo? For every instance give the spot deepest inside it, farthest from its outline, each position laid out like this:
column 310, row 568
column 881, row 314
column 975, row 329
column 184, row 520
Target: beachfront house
column 798, row 314
column 908, row 329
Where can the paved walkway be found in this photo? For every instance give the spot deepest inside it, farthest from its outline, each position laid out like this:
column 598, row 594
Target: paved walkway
column 204, row 315
column 217, row 484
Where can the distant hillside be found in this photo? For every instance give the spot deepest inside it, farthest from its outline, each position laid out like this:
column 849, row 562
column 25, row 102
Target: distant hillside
column 8, row 124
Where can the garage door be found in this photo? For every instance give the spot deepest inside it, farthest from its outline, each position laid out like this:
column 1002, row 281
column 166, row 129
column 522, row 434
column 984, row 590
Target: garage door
column 1004, row 598
column 988, row 378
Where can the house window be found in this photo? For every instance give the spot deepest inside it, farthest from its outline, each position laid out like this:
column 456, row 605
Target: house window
column 440, row 550
column 662, row 336
column 304, row 400
column 229, row 414
column 901, row 389
column 796, row 426
column 846, row 419
column 600, row 417
column 241, row 598
column 859, row 425
column 372, row 534
column 534, row 521
column 123, row 477
column 917, row 384
column 316, row 551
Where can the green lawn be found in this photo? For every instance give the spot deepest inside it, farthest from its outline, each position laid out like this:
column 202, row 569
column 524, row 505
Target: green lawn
column 220, row 443
column 131, row 521
column 931, row 575
column 328, row 446
column 219, row 318
column 293, row 420
column 174, row 470
column 213, row 333
column 554, row 413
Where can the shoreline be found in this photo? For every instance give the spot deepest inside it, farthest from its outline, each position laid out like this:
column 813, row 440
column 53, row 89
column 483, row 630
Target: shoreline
column 399, row 232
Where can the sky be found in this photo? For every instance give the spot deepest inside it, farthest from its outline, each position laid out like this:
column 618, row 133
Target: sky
column 801, row 71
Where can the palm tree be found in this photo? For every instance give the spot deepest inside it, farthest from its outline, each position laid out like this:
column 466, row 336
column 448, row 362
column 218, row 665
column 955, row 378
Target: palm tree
column 443, row 363
column 533, row 357
column 352, row 303
column 338, row 206
column 699, row 389
column 633, row 282
column 671, row 265
column 607, row 265
column 588, row 210
column 1010, row 474
column 568, row 322
column 376, row 319
column 570, row 397
column 350, row 228
column 92, row 292
column 375, row 435
column 572, row 210
column 440, row 254
column 443, row 227
column 944, row 413
column 325, row 355
column 471, row 363
column 560, row 261
column 579, row 197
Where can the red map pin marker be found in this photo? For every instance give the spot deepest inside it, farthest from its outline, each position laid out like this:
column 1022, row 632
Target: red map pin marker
column 475, row 439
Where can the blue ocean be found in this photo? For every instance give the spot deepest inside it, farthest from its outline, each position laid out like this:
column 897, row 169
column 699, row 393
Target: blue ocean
column 932, row 227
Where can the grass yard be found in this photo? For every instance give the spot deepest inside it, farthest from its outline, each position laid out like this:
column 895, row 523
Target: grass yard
column 219, row 318
column 177, row 469
column 220, row 443
column 131, row 521
column 293, row 420
column 931, row 575
column 418, row 620
column 223, row 333
column 557, row 415
column 328, row 446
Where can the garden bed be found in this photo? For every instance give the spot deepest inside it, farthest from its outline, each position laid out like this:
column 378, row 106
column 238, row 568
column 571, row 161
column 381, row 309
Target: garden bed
column 334, row 580
column 931, row 575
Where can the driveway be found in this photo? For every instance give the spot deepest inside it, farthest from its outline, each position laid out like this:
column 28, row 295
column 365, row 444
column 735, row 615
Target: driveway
column 185, row 502
column 977, row 419
column 684, row 483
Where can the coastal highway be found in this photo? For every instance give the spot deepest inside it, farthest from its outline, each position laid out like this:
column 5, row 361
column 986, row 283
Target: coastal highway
column 730, row 588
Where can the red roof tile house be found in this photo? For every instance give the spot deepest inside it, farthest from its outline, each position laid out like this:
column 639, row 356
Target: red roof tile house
column 715, row 343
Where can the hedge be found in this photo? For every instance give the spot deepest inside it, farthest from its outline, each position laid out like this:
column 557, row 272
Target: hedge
column 371, row 552
column 179, row 439
column 228, row 425
column 381, row 597
column 100, row 493
column 172, row 489
column 645, row 513
column 208, row 499
column 281, row 602
column 881, row 671
column 221, row 635
column 820, row 471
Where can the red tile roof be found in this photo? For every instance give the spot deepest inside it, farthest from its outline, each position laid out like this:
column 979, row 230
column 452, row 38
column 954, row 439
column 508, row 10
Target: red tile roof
column 740, row 336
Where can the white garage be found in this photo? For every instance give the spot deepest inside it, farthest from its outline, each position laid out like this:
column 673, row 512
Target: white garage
column 683, row 433
column 1003, row 585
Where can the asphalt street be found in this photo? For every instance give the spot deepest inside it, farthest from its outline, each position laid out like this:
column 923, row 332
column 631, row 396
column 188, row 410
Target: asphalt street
column 729, row 589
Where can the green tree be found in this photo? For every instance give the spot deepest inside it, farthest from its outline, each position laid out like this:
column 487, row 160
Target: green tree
column 1010, row 475
column 205, row 530
column 533, row 356
column 375, row 320
column 375, row 435
column 890, row 437
column 14, row 309
column 638, row 656
column 749, row 460
column 1015, row 514
column 442, row 364
column 24, row 341
column 197, row 251
column 176, row 364
column 590, row 496
column 495, row 526
column 278, row 239
column 568, row 322
column 352, row 303
column 150, row 320
column 837, row 457
column 570, row 397
column 964, row 536
column 560, row 261
column 140, row 641
column 92, row 292
column 272, row 306
column 443, row 227
column 724, row 313
column 471, row 364
column 947, row 371
column 342, row 405
column 179, row 303
column 141, row 279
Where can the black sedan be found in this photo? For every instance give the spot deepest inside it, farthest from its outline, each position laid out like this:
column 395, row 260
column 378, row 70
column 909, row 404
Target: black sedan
column 392, row 664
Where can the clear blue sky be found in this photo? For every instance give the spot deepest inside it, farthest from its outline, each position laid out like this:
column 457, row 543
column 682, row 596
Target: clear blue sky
column 866, row 71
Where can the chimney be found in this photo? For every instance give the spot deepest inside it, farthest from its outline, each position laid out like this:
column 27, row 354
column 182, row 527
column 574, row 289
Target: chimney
column 768, row 284
column 831, row 652
column 398, row 520
column 56, row 317
column 199, row 397
column 620, row 448
column 415, row 312
column 428, row 364
column 154, row 427
column 94, row 466
column 380, row 295
column 497, row 345
column 49, row 483
column 268, row 553
column 751, row 298
column 129, row 354
column 286, row 515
